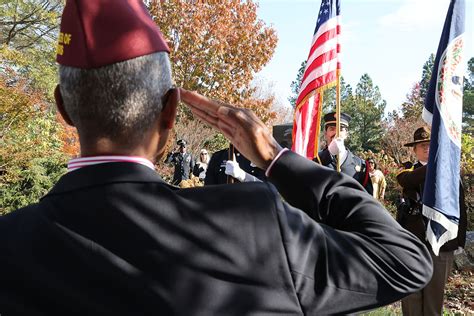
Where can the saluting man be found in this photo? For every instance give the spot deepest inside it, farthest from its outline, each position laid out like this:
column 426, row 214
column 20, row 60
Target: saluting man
column 351, row 164
column 183, row 162
column 113, row 238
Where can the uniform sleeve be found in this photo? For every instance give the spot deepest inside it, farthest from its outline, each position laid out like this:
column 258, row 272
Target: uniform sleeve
column 170, row 158
column 412, row 178
column 212, row 170
column 192, row 163
column 345, row 252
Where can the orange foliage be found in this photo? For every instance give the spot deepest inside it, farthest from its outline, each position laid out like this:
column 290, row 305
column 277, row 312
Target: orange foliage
column 216, row 48
column 69, row 138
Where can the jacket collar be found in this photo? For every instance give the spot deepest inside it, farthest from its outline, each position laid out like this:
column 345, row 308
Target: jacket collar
column 106, row 173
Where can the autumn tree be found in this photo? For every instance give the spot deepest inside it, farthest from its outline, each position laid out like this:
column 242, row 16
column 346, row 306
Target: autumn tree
column 413, row 106
column 216, row 47
column 28, row 41
column 415, row 99
column 31, row 159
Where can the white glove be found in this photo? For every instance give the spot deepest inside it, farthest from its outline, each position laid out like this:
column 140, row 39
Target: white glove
column 337, row 146
column 233, row 169
column 458, row 251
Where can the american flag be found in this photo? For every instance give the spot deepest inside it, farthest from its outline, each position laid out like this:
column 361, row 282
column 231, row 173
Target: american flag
column 322, row 69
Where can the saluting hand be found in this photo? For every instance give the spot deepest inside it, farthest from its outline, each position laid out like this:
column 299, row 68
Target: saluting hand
column 241, row 126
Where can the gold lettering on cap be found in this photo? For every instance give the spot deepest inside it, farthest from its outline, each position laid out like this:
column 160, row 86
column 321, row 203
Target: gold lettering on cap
column 60, row 49
column 64, row 39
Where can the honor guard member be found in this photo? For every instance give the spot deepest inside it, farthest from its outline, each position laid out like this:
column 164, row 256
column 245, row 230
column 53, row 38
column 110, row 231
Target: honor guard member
column 183, row 162
column 351, row 165
column 240, row 168
column 428, row 301
column 112, row 238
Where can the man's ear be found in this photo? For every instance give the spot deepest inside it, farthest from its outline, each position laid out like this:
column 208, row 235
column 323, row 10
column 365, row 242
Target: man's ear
column 168, row 113
column 60, row 105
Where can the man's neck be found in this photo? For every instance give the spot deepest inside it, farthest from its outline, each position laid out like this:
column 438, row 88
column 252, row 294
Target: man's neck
column 104, row 147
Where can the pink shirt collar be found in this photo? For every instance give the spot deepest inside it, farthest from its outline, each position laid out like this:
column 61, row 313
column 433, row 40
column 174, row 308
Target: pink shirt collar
column 80, row 162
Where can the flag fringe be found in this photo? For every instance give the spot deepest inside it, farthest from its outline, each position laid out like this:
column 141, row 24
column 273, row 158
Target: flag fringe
column 451, row 229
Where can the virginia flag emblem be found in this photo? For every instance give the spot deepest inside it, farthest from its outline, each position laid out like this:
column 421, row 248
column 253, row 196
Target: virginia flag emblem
column 443, row 111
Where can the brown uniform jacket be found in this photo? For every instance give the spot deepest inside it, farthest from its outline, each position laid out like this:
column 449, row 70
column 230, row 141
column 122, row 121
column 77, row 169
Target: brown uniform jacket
column 412, row 181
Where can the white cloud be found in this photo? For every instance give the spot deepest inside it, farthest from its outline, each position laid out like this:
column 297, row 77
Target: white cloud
column 416, row 14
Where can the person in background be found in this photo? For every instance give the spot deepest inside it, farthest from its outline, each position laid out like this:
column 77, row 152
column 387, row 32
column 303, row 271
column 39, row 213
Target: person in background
column 428, row 301
column 183, row 162
column 201, row 165
column 351, row 164
column 378, row 180
column 239, row 168
column 113, row 238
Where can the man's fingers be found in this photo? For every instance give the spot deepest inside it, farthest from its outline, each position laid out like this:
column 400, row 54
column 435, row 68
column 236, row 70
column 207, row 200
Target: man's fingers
column 207, row 122
column 204, row 116
column 235, row 117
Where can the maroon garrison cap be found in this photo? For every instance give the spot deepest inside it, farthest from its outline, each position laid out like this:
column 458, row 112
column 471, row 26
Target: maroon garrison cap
column 96, row 33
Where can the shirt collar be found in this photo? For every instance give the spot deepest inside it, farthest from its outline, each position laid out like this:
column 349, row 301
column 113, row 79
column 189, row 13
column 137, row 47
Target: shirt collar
column 80, row 162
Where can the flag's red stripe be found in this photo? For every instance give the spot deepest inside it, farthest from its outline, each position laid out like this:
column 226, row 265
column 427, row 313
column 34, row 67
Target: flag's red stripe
column 329, row 34
column 317, row 83
column 313, row 132
column 320, row 60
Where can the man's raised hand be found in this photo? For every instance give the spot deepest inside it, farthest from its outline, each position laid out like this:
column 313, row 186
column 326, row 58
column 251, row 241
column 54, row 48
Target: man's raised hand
column 241, row 126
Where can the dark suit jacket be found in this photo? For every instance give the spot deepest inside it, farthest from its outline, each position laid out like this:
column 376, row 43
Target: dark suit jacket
column 412, row 180
column 353, row 166
column 114, row 239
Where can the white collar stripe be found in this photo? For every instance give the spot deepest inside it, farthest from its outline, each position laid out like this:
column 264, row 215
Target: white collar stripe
column 78, row 163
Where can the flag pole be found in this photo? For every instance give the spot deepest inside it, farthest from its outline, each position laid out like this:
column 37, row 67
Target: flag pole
column 230, row 156
column 338, row 116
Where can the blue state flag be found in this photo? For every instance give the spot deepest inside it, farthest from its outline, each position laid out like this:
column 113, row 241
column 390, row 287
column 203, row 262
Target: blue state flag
column 443, row 111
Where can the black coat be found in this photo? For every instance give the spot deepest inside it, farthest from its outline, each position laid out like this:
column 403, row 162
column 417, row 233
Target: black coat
column 115, row 239
column 215, row 173
column 353, row 166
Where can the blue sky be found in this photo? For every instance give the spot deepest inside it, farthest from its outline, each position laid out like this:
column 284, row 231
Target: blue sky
column 388, row 39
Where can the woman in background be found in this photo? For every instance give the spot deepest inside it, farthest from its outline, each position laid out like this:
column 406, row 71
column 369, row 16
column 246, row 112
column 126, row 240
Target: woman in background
column 378, row 180
column 200, row 167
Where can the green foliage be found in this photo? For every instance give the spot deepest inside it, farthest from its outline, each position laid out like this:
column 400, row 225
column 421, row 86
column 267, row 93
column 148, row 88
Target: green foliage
column 468, row 99
column 30, row 162
column 467, row 175
column 217, row 142
column 295, row 85
column 426, row 76
column 29, row 23
column 366, row 108
column 30, row 148
column 28, row 42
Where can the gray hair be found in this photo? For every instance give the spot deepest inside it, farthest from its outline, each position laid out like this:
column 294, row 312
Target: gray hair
column 120, row 101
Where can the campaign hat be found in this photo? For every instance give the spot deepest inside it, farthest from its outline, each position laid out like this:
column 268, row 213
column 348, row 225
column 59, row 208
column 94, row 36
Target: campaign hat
column 97, row 33
column 421, row 135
